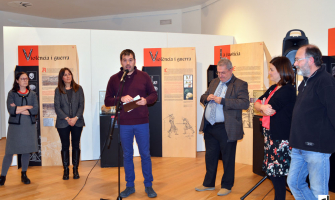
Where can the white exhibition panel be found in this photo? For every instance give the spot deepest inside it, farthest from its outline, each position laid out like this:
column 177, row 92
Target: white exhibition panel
column 106, row 49
column 98, row 53
column 15, row 36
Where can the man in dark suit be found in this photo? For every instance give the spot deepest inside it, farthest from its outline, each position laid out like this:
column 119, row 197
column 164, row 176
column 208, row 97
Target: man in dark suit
column 224, row 99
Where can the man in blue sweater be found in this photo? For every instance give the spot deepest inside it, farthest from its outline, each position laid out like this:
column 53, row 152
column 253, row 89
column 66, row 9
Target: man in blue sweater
column 313, row 126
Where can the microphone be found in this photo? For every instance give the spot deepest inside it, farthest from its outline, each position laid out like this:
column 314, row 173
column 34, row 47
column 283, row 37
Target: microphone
column 124, row 74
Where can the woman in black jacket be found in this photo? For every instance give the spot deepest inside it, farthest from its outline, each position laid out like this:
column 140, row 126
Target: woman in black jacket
column 276, row 105
column 22, row 106
column 69, row 106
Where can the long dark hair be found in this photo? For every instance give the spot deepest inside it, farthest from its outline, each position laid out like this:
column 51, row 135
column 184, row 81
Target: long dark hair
column 16, row 86
column 61, row 84
column 284, row 68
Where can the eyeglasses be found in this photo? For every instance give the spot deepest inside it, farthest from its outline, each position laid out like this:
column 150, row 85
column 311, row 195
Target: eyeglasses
column 220, row 73
column 24, row 79
column 297, row 60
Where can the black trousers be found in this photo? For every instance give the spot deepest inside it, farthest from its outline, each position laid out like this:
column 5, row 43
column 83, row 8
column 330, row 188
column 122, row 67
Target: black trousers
column 216, row 141
column 64, row 134
column 279, row 183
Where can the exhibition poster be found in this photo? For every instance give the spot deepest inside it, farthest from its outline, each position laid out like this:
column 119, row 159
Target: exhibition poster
column 250, row 63
column 178, row 98
column 50, row 59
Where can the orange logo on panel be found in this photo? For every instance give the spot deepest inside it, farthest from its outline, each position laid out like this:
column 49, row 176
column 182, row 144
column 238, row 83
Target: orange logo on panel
column 331, row 42
column 220, row 52
column 152, row 57
column 28, row 55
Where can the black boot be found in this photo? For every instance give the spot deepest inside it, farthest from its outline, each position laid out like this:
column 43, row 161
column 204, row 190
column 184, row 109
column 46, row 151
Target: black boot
column 66, row 163
column 24, row 178
column 75, row 162
column 2, row 180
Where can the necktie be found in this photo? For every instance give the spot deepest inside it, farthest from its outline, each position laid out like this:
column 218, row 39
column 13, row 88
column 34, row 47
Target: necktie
column 212, row 104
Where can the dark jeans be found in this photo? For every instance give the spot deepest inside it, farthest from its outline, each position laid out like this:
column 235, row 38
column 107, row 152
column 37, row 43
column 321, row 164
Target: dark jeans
column 64, row 134
column 216, row 141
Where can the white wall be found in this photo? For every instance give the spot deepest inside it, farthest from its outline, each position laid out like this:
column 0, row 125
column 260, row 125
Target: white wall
column 191, row 18
column 98, row 52
column 269, row 21
column 12, row 19
column 148, row 21
column 185, row 20
column 15, row 36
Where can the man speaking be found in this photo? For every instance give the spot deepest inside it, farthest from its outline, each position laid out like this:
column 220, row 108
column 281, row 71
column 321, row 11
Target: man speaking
column 136, row 122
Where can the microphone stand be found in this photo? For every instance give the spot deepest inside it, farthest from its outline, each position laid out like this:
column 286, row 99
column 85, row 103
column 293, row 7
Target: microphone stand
column 117, row 112
column 253, row 188
column 295, row 78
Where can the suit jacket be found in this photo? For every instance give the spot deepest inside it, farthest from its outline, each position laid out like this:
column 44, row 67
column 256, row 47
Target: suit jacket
column 236, row 100
column 62, row 107
column 14, row 97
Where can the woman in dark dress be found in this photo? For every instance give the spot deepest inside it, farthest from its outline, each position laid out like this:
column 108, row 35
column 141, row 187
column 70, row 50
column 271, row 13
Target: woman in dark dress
column 22, row 106
column 69, row 106
column 276, row 105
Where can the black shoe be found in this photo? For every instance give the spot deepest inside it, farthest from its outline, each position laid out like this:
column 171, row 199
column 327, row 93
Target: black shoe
column 24, row 178
column 75, row 162
column 150, row 191
column 66, row 162
column 75, row 173
column 66, row 173
column 2, row 180
column 128, row 191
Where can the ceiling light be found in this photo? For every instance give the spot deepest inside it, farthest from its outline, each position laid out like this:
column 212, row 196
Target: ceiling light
column 17, row 4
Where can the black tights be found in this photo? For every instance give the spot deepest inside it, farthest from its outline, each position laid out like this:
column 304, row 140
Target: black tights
column 64, row 134
column 279, row 183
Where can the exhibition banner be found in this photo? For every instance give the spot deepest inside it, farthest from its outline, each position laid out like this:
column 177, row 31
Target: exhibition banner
column 250, row 63
column 331, row 42
column 178, row 98
column 155, row 112
column 50, row 59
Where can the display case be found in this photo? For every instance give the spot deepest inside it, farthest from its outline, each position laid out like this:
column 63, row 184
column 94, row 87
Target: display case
column 109, row 157
column 103, row 109
column 255, row 95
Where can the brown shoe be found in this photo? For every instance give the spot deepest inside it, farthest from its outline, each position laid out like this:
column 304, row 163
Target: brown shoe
column 203, row 188
column 224, row 192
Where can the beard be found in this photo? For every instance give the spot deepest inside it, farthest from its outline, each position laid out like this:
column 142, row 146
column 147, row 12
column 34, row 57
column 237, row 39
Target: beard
column 304, row 70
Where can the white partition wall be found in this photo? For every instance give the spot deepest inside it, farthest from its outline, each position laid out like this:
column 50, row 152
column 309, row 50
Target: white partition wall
column 98, row 53
column 15, row 36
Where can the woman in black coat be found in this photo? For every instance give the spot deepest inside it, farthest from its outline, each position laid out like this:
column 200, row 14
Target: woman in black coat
column 22, row 106
column 276, row 105
column 69, row 106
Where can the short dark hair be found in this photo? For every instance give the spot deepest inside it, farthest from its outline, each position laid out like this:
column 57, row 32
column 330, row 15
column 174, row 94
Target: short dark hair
column 16, row 86
column 314, row 51
column 127, row 52
column 284, row 67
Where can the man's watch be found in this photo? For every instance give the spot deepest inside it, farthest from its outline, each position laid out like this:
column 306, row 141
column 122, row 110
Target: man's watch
column 77, row 117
